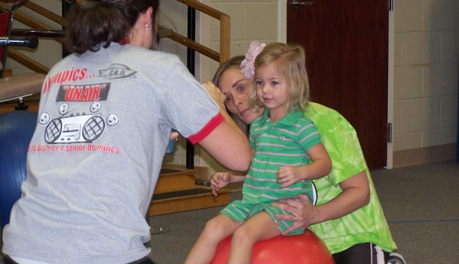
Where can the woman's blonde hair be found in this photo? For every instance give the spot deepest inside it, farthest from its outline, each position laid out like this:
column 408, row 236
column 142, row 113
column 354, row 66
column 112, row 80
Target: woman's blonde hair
column 234, row 62
column 289, row 60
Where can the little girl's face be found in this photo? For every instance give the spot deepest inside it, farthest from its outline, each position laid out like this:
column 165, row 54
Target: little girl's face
column 272, row 89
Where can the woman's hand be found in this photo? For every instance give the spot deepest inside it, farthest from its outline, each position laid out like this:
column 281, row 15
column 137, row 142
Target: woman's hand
column 219, row 180
column 355, row 194
column 301, row 209
column 214, row 92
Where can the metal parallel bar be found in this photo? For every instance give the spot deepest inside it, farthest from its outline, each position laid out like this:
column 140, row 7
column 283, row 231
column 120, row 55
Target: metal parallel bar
column 66, row 5
column 5, row 19
column 191, row 60
column 33, row 23
column 56, row 34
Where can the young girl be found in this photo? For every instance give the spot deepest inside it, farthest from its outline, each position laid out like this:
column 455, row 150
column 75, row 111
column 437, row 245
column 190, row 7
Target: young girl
column 287, row 154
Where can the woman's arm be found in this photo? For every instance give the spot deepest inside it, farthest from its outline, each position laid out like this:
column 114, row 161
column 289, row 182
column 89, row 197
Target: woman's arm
column 219, row 98
column 356, row 194
column 227, row 143
column 229, row 147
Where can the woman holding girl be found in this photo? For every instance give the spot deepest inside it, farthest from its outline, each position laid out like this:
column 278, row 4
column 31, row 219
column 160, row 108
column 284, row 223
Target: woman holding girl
column 348, row 216
column 287, row 154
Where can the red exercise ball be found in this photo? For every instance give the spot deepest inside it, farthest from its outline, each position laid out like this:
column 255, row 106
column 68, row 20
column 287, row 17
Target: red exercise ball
column 300, row 249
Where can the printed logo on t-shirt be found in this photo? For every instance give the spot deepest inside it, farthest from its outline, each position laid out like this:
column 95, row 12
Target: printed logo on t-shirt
column 83, row 93
column 76, row 128
column 70, row 127
column 116, row 71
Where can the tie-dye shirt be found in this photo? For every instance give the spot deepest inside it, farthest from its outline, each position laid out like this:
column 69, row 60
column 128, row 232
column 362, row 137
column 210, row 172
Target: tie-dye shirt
column 366, row 224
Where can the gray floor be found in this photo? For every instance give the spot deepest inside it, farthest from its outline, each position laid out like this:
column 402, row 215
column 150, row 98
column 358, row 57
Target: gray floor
column 421, row 204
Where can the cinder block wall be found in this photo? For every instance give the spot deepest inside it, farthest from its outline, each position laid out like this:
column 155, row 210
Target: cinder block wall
column 425, row 80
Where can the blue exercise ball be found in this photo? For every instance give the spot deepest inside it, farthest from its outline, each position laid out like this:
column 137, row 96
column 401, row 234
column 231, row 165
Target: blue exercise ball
column 16, row 130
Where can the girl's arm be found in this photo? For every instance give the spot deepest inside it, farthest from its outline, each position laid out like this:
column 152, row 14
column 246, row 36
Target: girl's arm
column 356, row 194
column 237, row 176
column 222, row 179
column 320, row 166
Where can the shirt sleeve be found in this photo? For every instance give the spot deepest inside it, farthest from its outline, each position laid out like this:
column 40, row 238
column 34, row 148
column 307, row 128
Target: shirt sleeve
column 209, row 127
column 186, row 105
column 340, row 141
column 308, row 136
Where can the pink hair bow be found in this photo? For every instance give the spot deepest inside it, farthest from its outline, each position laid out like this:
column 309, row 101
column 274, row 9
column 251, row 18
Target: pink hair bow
column 247, row 65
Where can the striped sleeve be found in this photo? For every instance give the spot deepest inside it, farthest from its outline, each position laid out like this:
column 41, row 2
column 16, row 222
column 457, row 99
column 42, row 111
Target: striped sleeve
column 308, row 135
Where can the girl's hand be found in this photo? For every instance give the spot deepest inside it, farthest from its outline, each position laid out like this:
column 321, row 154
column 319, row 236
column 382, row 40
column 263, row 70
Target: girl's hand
column 301, row 209
column 287, row 176
column 174, row 135
column 219, row 180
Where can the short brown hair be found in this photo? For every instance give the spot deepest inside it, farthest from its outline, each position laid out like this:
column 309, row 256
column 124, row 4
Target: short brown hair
column 98, row 23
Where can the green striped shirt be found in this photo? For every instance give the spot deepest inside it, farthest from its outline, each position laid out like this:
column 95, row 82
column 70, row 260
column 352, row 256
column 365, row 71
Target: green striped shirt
column 276, row 145
column 281, row 144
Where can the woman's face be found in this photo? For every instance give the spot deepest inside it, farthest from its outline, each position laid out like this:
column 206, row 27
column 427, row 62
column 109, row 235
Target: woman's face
column 236, row 87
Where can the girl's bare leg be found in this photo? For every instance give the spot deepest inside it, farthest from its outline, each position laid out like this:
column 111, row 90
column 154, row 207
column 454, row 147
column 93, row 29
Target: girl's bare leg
column 216, row 229
column 258, row 227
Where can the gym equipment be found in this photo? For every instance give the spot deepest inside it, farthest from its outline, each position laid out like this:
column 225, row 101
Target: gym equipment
column 16, row 130
column 300, row 249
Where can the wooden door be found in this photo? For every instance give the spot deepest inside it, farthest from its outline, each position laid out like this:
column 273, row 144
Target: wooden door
column 346, row 45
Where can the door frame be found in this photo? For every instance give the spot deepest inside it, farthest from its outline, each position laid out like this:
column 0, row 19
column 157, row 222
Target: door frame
column 282, row 37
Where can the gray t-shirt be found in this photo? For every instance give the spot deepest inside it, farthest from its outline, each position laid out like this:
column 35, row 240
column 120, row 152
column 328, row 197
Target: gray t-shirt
column 93, row 162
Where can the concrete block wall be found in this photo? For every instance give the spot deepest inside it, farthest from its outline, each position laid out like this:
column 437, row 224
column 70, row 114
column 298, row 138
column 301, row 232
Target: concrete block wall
column 426, row 71
column 250, row 20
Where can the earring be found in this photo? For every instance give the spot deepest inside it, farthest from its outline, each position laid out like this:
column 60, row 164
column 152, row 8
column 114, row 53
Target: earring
column 147, row 26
